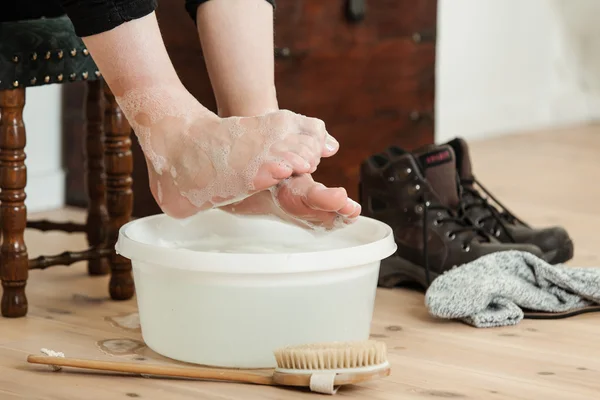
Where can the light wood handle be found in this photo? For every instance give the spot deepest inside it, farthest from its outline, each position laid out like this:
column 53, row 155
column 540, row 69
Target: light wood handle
column 158, row 370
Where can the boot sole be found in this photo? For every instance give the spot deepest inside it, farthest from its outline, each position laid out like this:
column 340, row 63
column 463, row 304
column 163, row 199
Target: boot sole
column 560, row 255
column 395, row 271
column 559, row 315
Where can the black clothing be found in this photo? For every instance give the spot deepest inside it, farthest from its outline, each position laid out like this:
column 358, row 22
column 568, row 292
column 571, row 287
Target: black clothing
column 89, row 17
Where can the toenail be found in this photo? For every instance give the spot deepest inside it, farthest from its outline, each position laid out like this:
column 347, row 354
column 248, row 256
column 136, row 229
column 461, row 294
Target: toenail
column 354, row 203
column 331, row 144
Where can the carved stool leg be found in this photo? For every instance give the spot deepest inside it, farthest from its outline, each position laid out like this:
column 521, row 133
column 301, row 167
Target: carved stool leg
column 14, row 262
column 97, row 217
column 119, row 196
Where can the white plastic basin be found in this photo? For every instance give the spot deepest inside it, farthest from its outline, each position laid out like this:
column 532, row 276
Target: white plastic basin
column 277, row 285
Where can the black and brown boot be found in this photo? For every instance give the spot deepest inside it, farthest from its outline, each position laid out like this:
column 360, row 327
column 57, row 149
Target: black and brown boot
column 417, row 196
column 498, row 221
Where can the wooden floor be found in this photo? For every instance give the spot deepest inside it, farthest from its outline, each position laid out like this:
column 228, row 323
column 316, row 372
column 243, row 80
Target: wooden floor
column 547, row 178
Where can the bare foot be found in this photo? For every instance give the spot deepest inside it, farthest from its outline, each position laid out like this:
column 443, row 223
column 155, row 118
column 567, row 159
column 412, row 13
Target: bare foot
column 197, row 161
column 303, row 201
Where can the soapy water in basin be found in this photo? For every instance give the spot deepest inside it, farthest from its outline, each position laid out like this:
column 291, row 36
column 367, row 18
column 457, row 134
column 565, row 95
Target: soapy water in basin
column 219, row 244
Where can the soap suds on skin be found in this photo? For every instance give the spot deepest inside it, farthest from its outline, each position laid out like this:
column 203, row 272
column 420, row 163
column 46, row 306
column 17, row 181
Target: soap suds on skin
column 296, row 192
column 338, row 221
column 299, row 201
column 218, row 160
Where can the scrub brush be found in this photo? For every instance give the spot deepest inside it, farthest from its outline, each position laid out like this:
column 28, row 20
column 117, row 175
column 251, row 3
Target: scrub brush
column 321, row 367
column 327, row 366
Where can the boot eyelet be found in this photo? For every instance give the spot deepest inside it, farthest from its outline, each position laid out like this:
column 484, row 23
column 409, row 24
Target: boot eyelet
column 497, row 233
column 413, row 190
column 450, row 235
column 419, row 209
column 466, row 248
column 391, row 179
column 437, row 222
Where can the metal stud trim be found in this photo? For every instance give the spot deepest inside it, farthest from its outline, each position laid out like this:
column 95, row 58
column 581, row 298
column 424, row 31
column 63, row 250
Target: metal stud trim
column 84, row 75
column 16, row 84
column 73, row 52
column 60, row 77
column 15, row 58
column 47, row 56
column 46, row 79
column 33, row 80
column 72, row 76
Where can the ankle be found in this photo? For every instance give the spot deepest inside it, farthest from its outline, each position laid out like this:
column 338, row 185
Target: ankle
column 154, row 102
column 243, row 108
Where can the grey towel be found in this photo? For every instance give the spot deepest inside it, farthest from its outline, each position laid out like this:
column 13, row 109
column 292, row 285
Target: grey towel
column 494, row 289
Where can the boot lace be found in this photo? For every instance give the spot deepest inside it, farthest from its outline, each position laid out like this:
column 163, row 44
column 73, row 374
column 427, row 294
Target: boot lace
column 500, row 217
column 460, row 227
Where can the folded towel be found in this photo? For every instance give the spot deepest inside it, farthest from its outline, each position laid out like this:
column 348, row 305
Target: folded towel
column 495, row 289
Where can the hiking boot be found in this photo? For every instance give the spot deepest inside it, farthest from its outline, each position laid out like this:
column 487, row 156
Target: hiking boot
column 417, row 195
column 498, row 221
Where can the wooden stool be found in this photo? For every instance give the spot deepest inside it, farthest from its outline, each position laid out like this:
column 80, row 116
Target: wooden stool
column 45, row 51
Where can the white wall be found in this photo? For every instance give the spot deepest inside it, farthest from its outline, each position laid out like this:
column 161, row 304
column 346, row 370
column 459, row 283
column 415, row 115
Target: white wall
column 513, row 65
column 43, row 123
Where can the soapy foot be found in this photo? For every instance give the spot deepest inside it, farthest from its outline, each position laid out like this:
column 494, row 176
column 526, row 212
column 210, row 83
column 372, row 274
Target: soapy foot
column 303, row 201
column 197, row 160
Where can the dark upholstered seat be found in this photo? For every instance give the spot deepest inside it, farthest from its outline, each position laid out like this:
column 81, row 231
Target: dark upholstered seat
column 42, row 51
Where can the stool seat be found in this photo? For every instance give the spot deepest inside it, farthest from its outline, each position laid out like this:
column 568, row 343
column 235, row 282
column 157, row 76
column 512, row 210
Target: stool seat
column 43, row 51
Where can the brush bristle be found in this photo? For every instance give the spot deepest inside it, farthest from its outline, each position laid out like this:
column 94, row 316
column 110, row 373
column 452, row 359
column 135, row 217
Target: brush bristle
column 335, row 355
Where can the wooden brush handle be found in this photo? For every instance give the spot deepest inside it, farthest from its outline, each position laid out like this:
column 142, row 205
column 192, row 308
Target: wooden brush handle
column 158, row 370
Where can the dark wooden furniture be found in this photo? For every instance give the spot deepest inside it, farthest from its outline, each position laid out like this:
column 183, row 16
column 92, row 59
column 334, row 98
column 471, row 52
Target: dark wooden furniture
column 46, row 51
column 367, row 68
